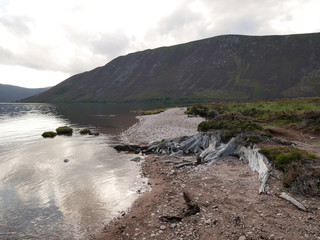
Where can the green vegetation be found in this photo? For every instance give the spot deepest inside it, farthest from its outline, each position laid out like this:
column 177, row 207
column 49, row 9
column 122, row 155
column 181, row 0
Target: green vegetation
column 232, row 122
column 65, row 130
column 49, row 134
column 301, row 112
column 301, row 169
column 149, row 112
column 221, row 94
column 254, row 139
column 255, row 120
column 85, row 131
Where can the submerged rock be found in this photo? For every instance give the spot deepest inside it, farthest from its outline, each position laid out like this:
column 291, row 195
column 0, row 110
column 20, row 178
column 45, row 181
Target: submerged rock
column 64, row 130
column 49, row 134
column 85, row 131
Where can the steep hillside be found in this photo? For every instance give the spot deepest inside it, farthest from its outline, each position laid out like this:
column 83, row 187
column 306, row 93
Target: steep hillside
column 223, row 67
column 9, row 93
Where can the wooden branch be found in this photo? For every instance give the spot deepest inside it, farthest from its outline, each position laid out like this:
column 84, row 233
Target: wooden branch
column 192, row 209
column 292, row 200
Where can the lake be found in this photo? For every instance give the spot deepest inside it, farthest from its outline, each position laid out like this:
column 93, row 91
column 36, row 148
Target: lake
column 42, row 196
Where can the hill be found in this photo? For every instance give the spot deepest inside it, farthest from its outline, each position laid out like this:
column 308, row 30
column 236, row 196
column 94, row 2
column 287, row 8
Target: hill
column 9, row 93
column 219, row 68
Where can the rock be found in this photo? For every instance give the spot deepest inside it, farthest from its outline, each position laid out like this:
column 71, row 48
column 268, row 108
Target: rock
column 208, row 222
column 173, row 225
column 65, row 130
column 85, row 131
column 66, row 160
column 242, row 238
column 162, row 227
column 49, row 134
column 272, row 237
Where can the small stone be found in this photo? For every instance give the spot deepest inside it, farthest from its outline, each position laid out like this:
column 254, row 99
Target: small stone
column 173, row 225
column 162, row 227
column 272, row 237
column 242, row 238
column 208, row 222
column 66, row 160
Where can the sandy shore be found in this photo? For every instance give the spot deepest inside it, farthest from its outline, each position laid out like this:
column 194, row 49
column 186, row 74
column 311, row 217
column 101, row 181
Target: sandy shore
column 226, row 192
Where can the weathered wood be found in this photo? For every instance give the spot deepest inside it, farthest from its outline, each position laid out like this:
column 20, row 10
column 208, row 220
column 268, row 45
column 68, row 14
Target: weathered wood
column 171, row 219
column 193, row 208
column 299, row 205
column 282, row 142
column 184, row 164
column 257, row 162
column 208, row 148
column 130, row 148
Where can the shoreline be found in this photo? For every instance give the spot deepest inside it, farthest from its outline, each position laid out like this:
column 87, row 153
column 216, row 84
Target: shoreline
column 226, row 192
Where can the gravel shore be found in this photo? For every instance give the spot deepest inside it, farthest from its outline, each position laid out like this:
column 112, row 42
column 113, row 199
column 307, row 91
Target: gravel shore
column 168, row 124
column 226, row 192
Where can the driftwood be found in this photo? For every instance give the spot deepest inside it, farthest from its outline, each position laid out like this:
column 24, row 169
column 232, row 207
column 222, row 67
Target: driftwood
column 282, row 142
column 180, row 165
column 299, row 205
column 257, row 162
column 130, row 148
column 185, row 145
column 208, row 148
column 193, row 208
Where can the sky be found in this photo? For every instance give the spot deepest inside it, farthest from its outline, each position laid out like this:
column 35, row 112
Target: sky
column 43, row 42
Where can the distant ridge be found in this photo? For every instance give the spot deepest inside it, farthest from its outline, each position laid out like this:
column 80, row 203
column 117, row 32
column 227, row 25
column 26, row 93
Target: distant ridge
column 218, row 68
column 9, row 93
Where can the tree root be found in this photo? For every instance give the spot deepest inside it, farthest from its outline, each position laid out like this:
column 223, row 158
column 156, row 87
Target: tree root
column 193, row 208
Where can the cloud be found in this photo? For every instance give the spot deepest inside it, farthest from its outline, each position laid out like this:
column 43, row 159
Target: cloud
column 6, row 56
column 111, row 44
column 77, row 35
column 181, row 19
column 16, row 25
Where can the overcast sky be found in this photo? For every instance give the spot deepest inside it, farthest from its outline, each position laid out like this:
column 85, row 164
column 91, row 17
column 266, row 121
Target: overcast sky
column 43, row 42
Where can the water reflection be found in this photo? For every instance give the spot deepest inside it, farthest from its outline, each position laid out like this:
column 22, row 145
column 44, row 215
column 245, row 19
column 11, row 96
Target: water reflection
column 41, row 196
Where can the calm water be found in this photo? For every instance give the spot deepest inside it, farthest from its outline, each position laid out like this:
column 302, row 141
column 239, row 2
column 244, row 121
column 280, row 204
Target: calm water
column 41, row 196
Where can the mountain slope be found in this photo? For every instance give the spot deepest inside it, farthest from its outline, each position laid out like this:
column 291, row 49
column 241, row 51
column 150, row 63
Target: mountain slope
column 9, row 93
column 223, row 67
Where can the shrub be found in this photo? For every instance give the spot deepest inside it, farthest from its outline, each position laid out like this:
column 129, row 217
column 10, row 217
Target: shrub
column 300, row 170
column 230, row 122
